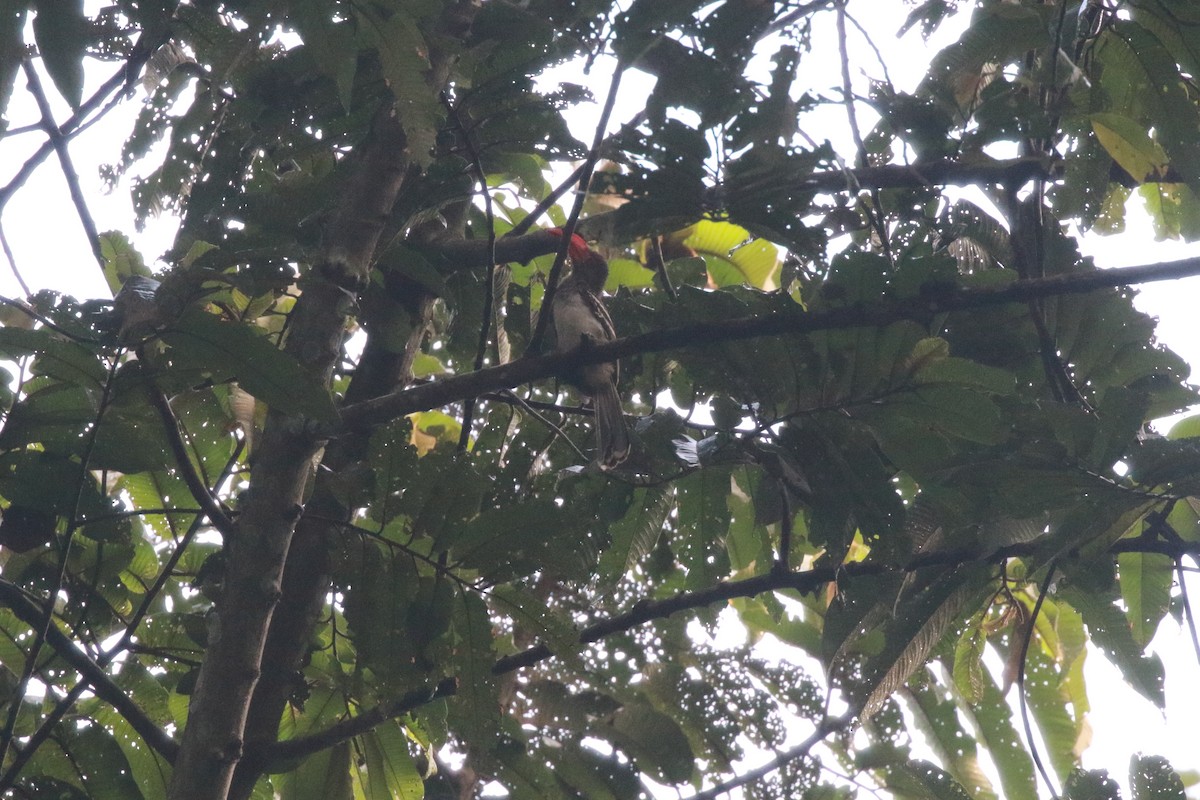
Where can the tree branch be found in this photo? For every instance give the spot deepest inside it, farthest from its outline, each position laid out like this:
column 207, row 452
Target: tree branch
column 935, row 301
column 59, row 143
column 648, row 610
column 187, row 470
column 31, row 614
column 132, row 66
column 568, row 229
column 824, row 728
column 302, row 746
column 807, row 581
column 212, row 743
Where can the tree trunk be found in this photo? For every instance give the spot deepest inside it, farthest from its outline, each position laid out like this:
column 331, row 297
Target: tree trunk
column 212, row 742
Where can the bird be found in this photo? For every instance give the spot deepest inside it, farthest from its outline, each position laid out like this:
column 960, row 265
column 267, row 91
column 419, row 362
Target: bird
column 578, row 317
column 136, row 308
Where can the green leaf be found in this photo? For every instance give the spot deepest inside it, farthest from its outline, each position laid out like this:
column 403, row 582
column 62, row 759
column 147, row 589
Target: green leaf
column 1146, row 580
column 121, row 260
column 56, row 357
column 1153, row 778
column 968, row 660
column 994, row 722
column 12, row 26
column 937, row 714
column 733, row 251
column 532, row 615
column 1048, row 705
column 921, row 779
column 151, row 772
column 61, row 32
column 635, row 534
column 321, row 776
column 963, row 372
column 403, row 55
column 391, row 773
column 475, row 710
column 1091, row 785
column 1130, row 146
column 1110, row 630
column 627, row 272
column 654, row 741
column 228, row 350
column 1163, row 91
column 331, row 44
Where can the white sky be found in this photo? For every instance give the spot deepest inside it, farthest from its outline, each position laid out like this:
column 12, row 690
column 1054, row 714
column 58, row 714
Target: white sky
column 52, row 252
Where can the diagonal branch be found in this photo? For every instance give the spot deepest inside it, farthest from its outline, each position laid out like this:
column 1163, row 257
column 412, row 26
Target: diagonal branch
column 585, row 178
column 936, row 301
column 31, row 614
column 291, row 749
column 187, row 470
column 827, row 726
column 59, row 142
column 489, row 287
column 122, row 77
column 805, row 581
column 648, row 610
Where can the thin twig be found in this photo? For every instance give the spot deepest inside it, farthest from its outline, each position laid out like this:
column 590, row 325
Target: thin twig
column 183, row 460
column 573, row 218
column 1188, row 616
column 485, row 326
column 803, row 11
column 12, row 263
column 548, row 202
column 557, row 192
column 875, row 211
column 823, row 729
column 785, row 529
column 72, row 126
column 43, row 630
column 29, row 611
column 660, row 269
column 104, row 659
column 529, row 409
column 1026, row 638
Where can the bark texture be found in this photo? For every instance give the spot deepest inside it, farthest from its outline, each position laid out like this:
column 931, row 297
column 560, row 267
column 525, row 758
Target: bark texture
column 213, row 741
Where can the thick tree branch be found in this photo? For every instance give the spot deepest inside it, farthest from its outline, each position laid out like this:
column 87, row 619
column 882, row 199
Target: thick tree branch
column 31, row 614
column 936, row 301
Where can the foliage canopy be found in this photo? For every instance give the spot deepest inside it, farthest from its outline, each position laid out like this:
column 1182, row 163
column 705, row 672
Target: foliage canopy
column 311, row 518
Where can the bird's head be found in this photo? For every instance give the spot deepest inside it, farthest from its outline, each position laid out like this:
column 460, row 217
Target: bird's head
column 577, row 249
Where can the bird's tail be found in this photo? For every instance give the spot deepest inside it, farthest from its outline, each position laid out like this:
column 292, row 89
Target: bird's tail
column 612, row 436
